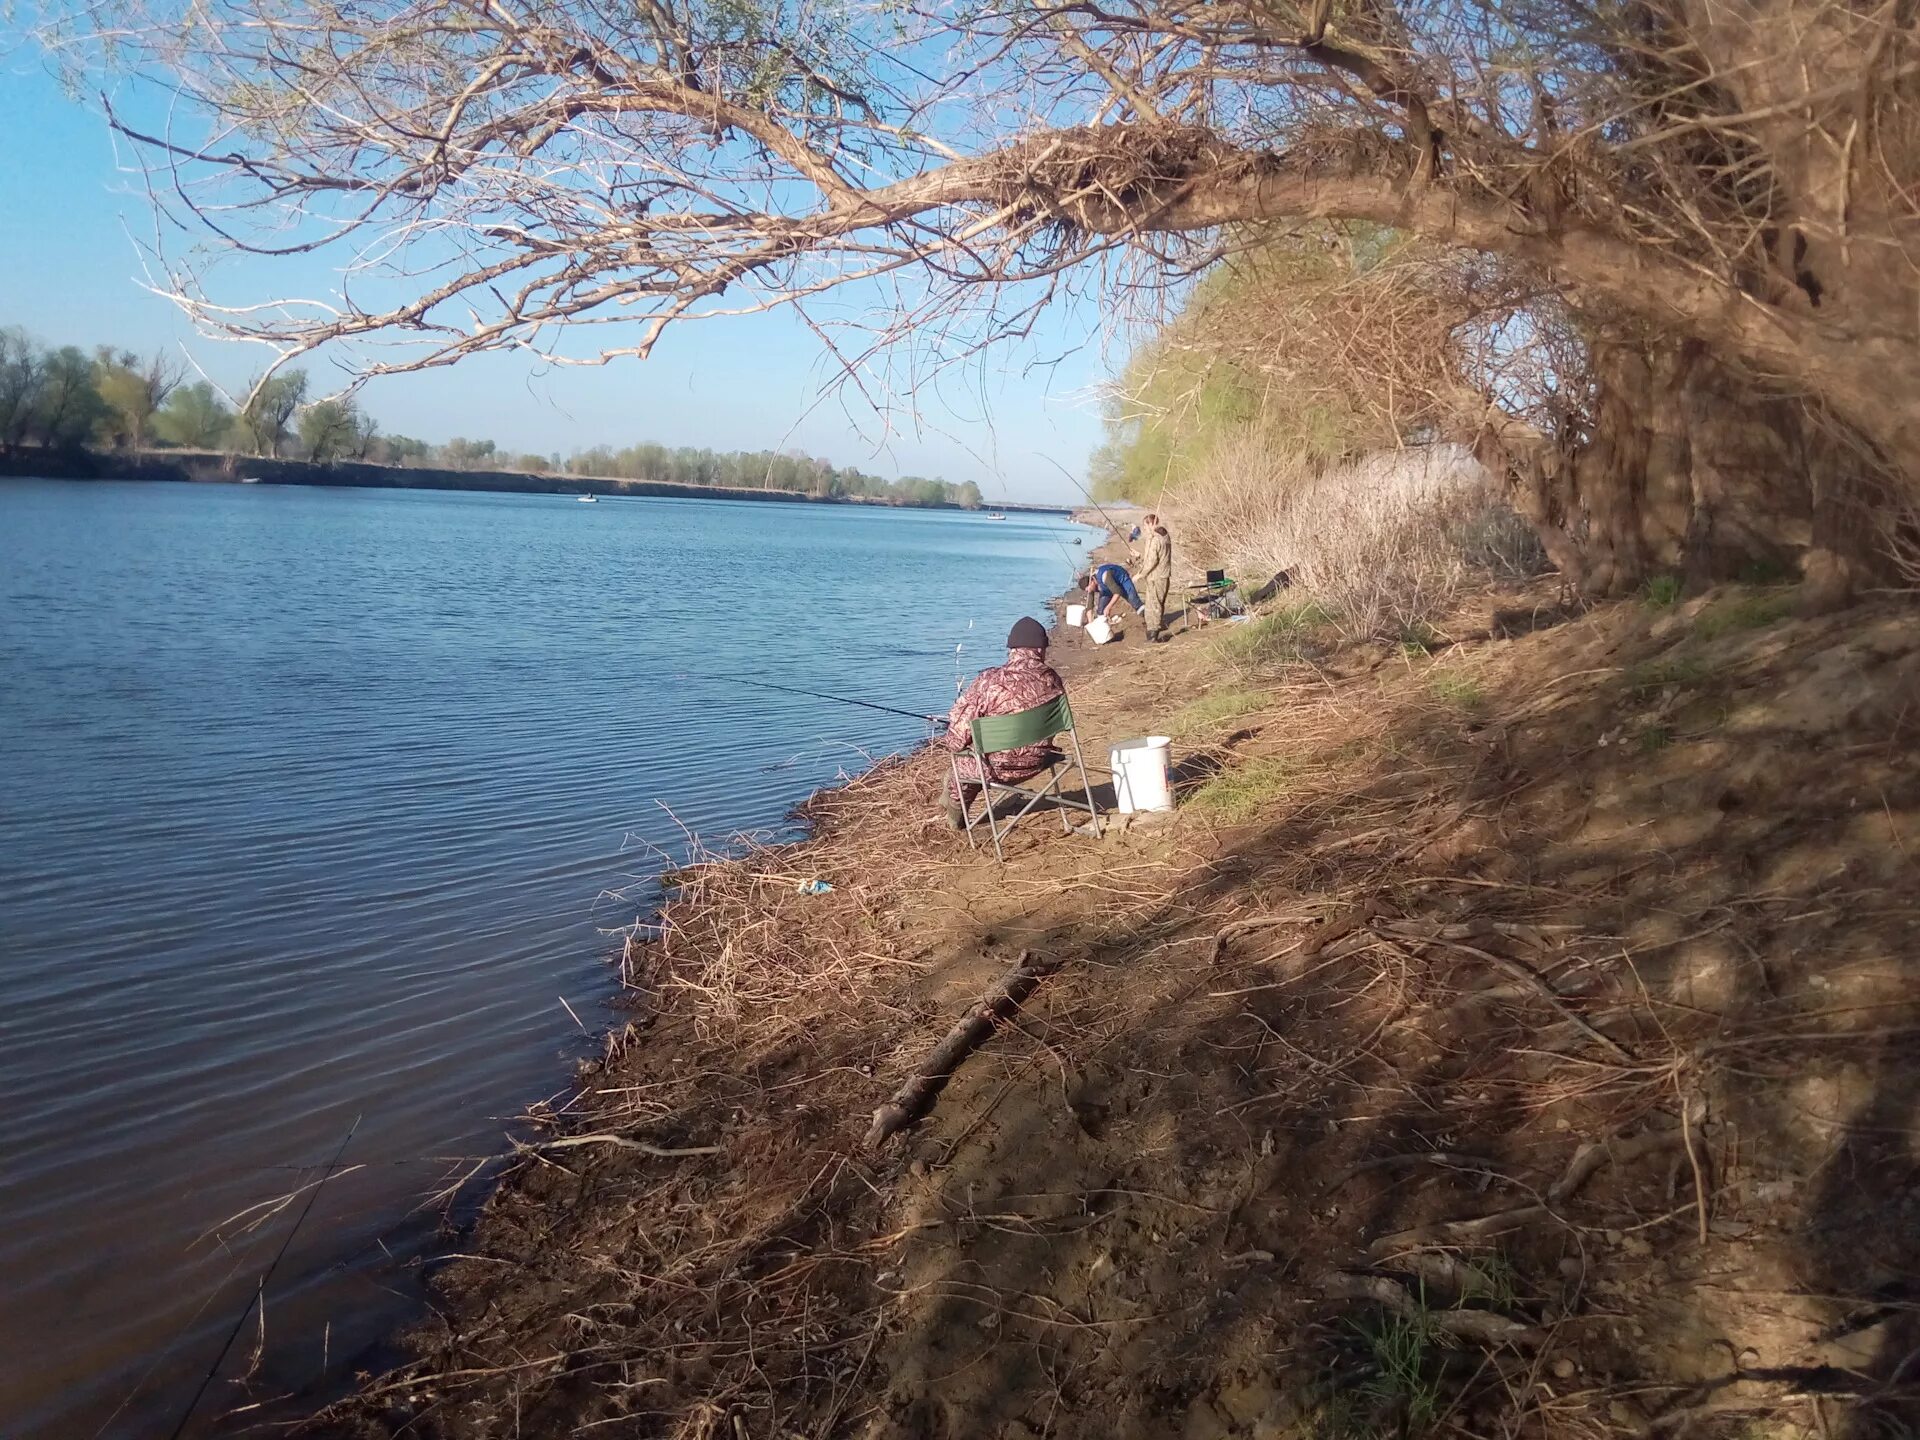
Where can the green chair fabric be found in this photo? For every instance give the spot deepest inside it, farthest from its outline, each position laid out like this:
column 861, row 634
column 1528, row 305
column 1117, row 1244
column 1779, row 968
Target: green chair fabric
column 995, row 733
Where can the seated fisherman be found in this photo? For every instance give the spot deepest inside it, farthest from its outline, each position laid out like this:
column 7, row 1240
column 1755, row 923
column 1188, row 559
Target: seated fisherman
column 1107, row 586
column 1026, row 680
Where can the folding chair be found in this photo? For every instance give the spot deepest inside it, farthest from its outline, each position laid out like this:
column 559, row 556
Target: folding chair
column 994, row 734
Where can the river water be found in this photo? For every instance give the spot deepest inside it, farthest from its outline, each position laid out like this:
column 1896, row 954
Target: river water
column 319, row 805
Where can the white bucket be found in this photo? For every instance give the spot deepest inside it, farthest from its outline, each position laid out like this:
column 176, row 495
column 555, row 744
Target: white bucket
column 1099, row 630
column 1076, row 614
column 1140, row 775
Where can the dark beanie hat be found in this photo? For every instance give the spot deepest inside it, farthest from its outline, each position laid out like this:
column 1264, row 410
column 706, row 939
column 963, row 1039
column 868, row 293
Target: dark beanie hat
column 1027, row 634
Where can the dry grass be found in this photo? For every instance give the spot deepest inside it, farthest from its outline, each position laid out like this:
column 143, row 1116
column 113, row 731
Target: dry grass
column 1216, row 711
column 761, row 958
column 1386, row 545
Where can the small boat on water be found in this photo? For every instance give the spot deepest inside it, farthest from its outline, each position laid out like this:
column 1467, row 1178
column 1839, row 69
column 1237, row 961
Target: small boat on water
column 996, row 517
column 249, row 479
column 588, row 499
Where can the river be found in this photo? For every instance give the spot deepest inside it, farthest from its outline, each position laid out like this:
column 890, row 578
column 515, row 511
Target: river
column 320, row 806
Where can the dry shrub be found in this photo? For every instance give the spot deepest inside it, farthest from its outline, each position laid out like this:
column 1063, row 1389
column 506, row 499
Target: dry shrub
column 761, row 959
column 1387, row 543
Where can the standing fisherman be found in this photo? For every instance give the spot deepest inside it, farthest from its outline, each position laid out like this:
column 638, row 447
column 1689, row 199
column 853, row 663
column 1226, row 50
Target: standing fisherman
column 1154, row 574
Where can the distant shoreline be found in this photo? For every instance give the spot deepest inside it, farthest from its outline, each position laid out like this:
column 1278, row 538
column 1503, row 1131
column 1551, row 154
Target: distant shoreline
column 209, row 468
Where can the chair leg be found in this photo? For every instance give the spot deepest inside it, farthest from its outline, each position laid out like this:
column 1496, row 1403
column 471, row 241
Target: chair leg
column 966, row 810
column 1086, row 785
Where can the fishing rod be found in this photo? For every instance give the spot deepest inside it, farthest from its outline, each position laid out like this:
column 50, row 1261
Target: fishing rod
column 260, row 1291
column 816, row 695
column 1085, row 493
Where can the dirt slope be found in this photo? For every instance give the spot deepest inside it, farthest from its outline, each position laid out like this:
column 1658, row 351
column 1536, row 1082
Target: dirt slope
column 1520, row 1039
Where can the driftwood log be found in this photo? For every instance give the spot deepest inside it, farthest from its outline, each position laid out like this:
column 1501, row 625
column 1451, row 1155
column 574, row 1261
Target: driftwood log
column 916, row 1097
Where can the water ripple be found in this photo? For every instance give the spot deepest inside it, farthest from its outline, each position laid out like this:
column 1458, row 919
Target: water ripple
column 310, row 803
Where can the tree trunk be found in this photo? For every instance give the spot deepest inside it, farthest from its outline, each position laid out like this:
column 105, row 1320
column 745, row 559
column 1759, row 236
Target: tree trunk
column 1685, row 466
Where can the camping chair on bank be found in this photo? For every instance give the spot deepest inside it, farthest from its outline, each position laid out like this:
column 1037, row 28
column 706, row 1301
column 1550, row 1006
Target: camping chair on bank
column 995, row 734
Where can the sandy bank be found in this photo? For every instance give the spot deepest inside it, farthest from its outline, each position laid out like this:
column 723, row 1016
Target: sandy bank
column 1512, row 1040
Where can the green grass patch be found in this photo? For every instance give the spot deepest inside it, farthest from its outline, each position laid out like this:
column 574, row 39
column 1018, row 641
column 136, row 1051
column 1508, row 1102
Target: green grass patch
column 1244, row 791
column 1419, row 638
column 1767, row 572
column 1210, row 712
column 1492, row 1278
column 1275, row 635
column 1665, row 670
column 1744, row 612
column 1653, row 739
column 1401, row 1349
column 1662, row 592
column 1358, row 747
column 1457, row 689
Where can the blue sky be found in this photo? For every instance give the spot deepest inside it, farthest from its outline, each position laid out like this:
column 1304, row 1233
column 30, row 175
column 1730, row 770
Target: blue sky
column 70, row 273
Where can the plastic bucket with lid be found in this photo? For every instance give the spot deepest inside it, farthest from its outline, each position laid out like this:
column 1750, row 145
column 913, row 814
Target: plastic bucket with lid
column 1076, row 614
column 1099, row 630
column 1140, row 779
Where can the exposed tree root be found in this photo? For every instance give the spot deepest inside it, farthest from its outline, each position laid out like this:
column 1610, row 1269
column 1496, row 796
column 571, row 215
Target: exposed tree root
column 663, row 1152
column 1586, row 1163
column 1484, row 1327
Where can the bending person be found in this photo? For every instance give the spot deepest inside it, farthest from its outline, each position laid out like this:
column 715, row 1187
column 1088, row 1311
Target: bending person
column 1106, row 586
column 1026, row 680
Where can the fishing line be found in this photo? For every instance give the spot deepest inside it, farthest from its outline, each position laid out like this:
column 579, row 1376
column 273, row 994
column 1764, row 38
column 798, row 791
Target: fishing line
column 1074, row 562
column 1087, row 494
column 812, row 694
column 260, row 1290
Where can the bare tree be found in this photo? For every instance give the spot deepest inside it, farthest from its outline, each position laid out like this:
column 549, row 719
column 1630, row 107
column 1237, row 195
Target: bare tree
column 1723, row 195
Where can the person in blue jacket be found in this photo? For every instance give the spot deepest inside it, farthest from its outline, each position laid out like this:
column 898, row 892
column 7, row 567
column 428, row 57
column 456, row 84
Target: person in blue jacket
column 1106, row 586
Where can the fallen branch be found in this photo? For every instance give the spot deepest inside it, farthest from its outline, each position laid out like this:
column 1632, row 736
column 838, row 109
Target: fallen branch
column 916, row 1097
column 645, row 1147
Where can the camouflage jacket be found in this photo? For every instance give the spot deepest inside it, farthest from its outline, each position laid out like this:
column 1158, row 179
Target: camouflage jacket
column 1026, row 680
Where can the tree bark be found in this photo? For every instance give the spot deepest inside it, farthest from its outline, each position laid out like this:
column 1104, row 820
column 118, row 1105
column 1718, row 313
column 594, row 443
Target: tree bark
column 1686, row 466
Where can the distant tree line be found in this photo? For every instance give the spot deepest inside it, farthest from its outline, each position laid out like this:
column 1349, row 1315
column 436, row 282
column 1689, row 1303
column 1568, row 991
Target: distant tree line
column 62, row 398
column 765, row 470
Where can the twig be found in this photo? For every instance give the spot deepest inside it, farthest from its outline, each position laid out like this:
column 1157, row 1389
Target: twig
column 1699, row 1181
column 1527, row 976
column 1447, row 1159
column 645, row 1147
